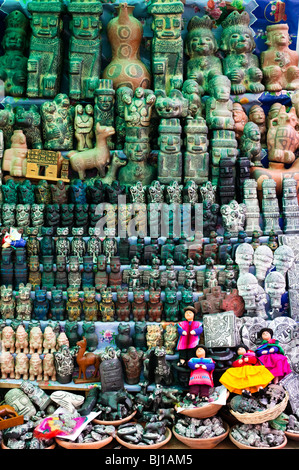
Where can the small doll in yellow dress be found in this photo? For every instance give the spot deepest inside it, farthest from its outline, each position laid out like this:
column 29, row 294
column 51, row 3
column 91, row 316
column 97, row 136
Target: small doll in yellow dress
column 247, row 375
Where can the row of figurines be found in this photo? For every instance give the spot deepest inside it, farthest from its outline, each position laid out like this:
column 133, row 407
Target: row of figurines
column 33, row 338
column 39, row 74
column 153, row 305
column 142, row 179
column 258, row 212
column 153, row 122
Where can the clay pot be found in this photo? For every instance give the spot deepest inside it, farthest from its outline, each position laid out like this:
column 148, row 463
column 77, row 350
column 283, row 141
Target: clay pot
column 87, row 445
column 117, row 422
column 3, row 446
column 243, row 446
column 125, row 34
column 293, row 436
column 195, row 443
column 202, row 412
column 153, row 446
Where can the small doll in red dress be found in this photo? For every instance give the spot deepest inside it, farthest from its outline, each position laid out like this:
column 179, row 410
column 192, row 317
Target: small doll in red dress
column 247, row 375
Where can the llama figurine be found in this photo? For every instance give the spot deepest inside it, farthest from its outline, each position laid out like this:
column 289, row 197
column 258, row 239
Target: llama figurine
column 98, row 157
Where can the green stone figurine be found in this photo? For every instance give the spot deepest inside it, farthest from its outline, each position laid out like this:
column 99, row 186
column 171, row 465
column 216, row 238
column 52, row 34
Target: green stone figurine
column 167, row 44
column 84, row 48
column 13, row 64
column 240, row 65
column 45, row 55
column 58, row 123
column 201, row 46
column 170, row 164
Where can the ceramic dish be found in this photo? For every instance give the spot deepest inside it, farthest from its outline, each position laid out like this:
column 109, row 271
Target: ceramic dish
column 85, row 445
column 197, row 443
column 129, row 445
column 243, row 446
column 117, row 422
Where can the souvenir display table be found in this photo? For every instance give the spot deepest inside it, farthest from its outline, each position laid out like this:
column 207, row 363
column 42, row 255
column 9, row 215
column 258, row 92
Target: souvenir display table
column 149, row 222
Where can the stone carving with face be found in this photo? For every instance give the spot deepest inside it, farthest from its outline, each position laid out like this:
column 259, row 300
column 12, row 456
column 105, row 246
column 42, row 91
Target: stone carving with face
column 283, row 259
column 263, row 258
column 244, row 257
column 275, row 286
column 247, row 285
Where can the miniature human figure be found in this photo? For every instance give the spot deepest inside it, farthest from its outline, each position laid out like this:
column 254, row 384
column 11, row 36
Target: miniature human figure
column 189, row 332
column 200, row 46
column 201, row 377
column 250, row 144
column 240, row 65
column 262, row 260
column 219, row 105
column 275, row 285
column 279, row 62
column 240, row 118
column 83, row 125
column 271, row 354
column 13, row 64
column 257, row 115
column 247, row 375
column 283, row 259
column 244, row 257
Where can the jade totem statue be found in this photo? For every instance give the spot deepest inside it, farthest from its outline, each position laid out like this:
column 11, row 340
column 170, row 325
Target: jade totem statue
column 13, row 63
column 57, row 123
column 279, row 63
column 45, row 55
column 201, row 46
column 84, row 48
column 167, row 44
column 124, row 33
column 104, row 97
column 240, row 65
column 170, row 165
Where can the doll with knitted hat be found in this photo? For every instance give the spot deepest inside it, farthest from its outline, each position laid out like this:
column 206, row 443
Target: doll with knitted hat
column 272, row 356
column 201, row 377
column 189, row 331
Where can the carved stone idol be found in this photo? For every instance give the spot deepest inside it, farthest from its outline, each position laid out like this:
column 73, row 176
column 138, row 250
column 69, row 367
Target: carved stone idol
column 45, row 55
column 284, row 258
column 201, row 46
column 244, row 257
column 262, row 260
column 240, row 65
column 84, row 48
column 275, row 286
column 279, row 63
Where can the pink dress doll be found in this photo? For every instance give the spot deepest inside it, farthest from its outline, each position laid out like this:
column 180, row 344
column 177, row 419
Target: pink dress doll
column 189, row 331
column 271, row 354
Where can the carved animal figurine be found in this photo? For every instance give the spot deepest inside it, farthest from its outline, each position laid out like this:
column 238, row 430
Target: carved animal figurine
column 21, row 366
column 35, row 340
column 7, row 303
column 139, row 306
column 35, row 367
column 90, row 304
column 72, row 333
column 89, row 332
column 49, row 367
column 123, row 339
column 122, row 305
column 154, row 336
column 155, row 306
column 24, row 303
column 86, row 360
column 73, row 305
column 106, row 306
column 170, row 338
column 98, row 157
column 21, row 342
column 49, row 343
column 62, row 340
column 15, row 157
column 162, row 370
column 139, row 336
column 8, row 339
column 7, row 366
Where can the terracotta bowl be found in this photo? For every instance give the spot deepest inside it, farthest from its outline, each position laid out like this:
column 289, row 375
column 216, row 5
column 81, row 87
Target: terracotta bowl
column 202, row 412
column 294, row 436
column 87, row 445
column 3, row 446
column 243, row 446
column 197, row 443
column 153, row 446
column 115, row 423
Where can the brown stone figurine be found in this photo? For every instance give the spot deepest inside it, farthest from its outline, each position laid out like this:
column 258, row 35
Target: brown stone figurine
column 279, row 62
